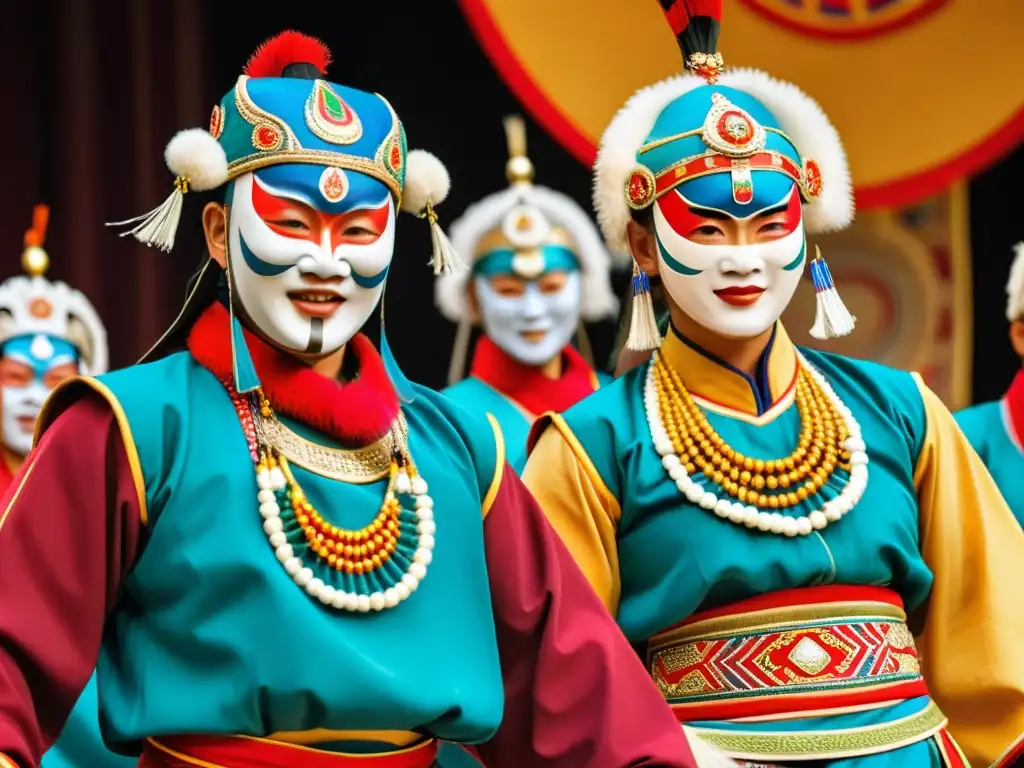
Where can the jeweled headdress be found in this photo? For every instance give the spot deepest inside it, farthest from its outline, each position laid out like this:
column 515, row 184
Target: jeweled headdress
column 32, row 305
column 739, row 126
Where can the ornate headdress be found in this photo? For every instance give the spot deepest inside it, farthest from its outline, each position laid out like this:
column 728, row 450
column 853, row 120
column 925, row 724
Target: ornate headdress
column 525, row 227
column 710, row 121
column 30, row 304
column 282, row 110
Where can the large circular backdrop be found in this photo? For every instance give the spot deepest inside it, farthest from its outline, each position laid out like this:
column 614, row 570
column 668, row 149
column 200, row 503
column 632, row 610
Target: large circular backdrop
column 923, row 92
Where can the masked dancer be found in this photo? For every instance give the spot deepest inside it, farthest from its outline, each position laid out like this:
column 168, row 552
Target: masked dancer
column 538, row 269
column 820, row 568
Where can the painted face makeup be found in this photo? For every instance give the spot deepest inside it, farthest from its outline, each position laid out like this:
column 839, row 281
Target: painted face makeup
column 30, row 367
column 309, row 250
column 736, row 290
column 531, row 320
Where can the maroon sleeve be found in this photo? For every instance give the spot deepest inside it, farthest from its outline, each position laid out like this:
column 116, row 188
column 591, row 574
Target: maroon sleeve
column 69, row 530
column 576, row 693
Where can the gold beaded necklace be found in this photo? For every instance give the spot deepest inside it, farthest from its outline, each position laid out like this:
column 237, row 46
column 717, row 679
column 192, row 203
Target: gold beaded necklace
column 789, row 480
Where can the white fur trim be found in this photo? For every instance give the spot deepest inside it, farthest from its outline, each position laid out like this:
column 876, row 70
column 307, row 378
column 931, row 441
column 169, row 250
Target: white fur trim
column 815, row 138
column 196, row 155
column 705, row 755
column 426, row 179
column 16, row 297
column 616, row 154
column 798, row 114
column 598, row 300
column 1015, row 286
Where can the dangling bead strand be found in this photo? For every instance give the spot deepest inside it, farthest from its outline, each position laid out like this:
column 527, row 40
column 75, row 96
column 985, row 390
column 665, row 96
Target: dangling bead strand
column 830, row 438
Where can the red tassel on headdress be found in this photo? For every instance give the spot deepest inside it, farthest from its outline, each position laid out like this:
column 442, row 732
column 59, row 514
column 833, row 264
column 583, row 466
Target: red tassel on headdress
column 283, row 50
column 696, row 24
column 40, row 219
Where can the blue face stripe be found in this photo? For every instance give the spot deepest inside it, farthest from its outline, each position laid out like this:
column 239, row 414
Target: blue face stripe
column 20, row 348
column 799, row 260
column 257, row 265
column 674, row 264
column 373, row 280
column 302, row 181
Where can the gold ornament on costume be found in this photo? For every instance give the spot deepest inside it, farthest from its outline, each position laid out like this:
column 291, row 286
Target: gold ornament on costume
column 773, row 483
column 34, row 260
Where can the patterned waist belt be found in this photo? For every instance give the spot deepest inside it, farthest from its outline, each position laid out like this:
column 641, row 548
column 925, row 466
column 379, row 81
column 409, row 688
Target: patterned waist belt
column 248, row 752
column 797, row 651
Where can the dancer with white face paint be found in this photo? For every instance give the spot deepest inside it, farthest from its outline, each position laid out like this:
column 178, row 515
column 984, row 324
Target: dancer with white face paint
column 996, row 428
column 537, row 270
column 49, row 333
column 763, row 519
column 281, row 552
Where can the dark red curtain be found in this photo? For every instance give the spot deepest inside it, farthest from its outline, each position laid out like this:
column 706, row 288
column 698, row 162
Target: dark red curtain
column 94, row 91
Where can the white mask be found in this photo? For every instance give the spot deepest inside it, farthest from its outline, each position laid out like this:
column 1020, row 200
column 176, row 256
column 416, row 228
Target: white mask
column 36, row 356
column 266, row 265
column 507, row 318
column 693, row 272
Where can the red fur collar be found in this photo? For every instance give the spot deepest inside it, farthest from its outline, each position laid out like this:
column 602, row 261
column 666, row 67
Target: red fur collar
column 355, row 412
column 1014, row 399
column 526, row 385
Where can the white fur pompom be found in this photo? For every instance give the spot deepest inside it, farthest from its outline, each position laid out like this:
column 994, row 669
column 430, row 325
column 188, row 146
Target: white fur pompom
column 426, row 181
column 195, row 155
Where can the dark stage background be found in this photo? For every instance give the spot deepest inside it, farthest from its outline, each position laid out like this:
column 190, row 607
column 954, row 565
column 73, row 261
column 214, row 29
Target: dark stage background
column 96, row 89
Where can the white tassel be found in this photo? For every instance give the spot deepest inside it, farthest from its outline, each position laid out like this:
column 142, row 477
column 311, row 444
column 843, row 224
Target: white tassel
column 832, row 318
column 643, row 325
column 158, row 227
column 198, row 162
column 444, row 258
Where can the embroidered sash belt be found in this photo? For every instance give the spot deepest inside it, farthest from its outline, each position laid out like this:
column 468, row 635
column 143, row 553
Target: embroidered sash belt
column 248, row 752
column 796, row 651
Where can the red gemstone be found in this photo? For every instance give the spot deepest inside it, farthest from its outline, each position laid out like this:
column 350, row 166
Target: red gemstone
column 639, row 188
column 267, row 137
column 216, row 121
column 812, row 178
column 395, row 156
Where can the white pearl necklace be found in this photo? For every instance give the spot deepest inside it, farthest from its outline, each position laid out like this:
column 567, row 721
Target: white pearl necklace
column 271, row 481
column 748, row 515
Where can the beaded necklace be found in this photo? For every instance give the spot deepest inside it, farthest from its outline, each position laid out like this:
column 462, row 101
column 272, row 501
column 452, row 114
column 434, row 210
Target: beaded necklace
column 370, row 569
column 830, row 438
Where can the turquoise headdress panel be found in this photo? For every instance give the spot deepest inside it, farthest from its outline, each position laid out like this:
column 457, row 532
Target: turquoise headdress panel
column 722, row 149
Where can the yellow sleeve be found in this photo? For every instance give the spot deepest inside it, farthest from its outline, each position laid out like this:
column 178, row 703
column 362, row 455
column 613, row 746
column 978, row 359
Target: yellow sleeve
column 970, row 646
column 578, row 505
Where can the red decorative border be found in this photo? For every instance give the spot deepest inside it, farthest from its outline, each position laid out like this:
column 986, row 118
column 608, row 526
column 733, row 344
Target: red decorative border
column 862, row 33
column 895, row 194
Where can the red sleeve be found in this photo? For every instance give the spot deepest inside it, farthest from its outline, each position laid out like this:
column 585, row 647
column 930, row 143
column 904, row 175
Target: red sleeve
column 576, row 693
column 69, row 531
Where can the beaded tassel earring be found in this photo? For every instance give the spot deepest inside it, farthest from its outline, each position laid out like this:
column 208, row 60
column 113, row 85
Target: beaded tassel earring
column 832, row 318
column 643, row 325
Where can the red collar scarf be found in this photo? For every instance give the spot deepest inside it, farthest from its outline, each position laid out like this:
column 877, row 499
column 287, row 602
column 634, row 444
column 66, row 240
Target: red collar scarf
column 526, row 386
column 1014, row 403
column 356, row 412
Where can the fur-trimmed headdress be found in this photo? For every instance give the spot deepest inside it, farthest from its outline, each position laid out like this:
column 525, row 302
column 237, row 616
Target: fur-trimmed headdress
column 741, row 124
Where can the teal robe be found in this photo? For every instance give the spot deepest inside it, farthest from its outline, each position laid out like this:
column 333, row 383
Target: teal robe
column 991, row 429
column 931, row 526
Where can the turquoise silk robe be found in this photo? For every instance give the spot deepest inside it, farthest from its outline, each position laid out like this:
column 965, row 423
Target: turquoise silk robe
column 514, row 394
column 134, row 535
column 995, row 430
column 930, row 528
